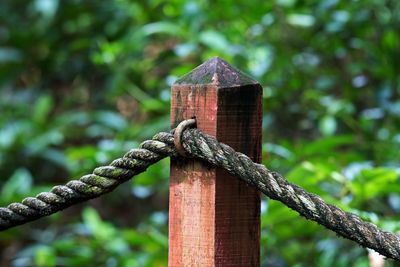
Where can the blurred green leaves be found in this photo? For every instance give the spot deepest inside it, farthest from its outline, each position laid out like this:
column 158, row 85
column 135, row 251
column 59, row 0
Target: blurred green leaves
column 375, row 182
column 18, row 185
column 82, row 82
column 45, row 257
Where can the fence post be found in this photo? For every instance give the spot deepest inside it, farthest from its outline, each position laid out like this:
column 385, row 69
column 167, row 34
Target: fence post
column 214, row 219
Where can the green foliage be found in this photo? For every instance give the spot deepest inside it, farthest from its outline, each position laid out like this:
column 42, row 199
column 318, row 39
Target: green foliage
column 95, row 242
column 82, row 82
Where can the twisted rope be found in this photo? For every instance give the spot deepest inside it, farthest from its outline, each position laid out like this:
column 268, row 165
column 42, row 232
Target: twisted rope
column 275, row 186
column 205, row 147
column 101, row 181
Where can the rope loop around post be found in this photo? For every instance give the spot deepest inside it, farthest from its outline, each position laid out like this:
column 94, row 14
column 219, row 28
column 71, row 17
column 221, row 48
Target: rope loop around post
column 178, row 133
column 204, row 147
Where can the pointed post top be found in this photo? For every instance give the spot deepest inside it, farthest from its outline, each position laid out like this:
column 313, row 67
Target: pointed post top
column 216, row 71
column 207, row 205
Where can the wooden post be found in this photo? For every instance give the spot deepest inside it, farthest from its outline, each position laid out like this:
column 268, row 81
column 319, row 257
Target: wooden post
column 214, row 219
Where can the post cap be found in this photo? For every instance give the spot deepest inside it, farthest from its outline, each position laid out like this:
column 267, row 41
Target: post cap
column 218, row 72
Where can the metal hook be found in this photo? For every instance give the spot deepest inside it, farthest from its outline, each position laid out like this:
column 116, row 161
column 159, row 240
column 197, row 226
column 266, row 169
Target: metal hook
column 178, row 135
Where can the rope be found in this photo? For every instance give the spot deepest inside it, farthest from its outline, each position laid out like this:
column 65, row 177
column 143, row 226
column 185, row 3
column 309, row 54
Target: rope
column 205, row 147
column 275, row 186
column 101, row 181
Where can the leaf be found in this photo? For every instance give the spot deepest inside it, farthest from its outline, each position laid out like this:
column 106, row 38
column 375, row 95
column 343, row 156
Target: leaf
column 326, row 145
column 101, row 230
column 391, row 39
column 8, row 55
column 42, row 109
column 161, row 27
column 42, row 141
column 8, row 135
column 260, row 60
column 110, row 119
column 301, row 20
column 45, row 257
column 19, row 184
column 374, row 182
column 46, row 7
column 327, row 125
column 214, row 40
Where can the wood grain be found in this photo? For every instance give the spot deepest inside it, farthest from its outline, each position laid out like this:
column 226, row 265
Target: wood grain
column 215, row 218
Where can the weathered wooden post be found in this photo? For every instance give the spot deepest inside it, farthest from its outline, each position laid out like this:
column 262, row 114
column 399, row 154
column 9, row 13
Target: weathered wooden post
column 215, row 218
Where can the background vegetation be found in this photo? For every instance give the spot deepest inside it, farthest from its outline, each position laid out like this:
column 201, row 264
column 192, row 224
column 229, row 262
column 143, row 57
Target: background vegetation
column 84, row 81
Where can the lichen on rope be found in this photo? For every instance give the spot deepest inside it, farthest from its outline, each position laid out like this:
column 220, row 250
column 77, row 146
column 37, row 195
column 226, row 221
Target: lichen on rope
column 275, row 186
column 207, row 148
column 101, row 181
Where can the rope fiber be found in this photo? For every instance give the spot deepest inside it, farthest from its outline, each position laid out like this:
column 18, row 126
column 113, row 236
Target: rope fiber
column 101, row 181
column 201, row 146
